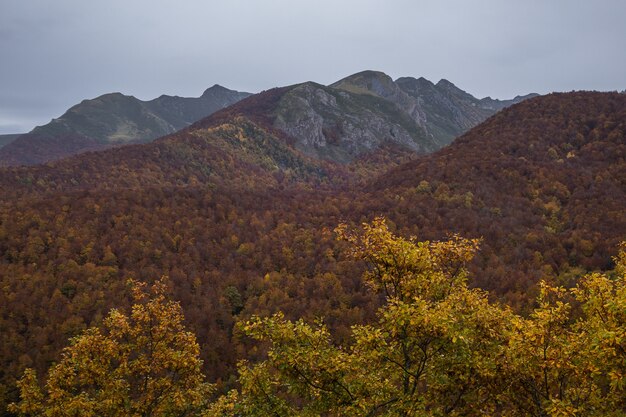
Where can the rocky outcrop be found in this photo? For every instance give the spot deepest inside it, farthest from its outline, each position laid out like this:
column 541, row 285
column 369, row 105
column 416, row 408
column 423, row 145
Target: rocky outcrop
column 443, row 110
column 339, row 125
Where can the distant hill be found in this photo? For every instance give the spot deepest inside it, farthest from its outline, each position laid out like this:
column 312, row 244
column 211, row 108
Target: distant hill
column 354, row 116
column 443, row 110
column 6, row 139
column 112, row 120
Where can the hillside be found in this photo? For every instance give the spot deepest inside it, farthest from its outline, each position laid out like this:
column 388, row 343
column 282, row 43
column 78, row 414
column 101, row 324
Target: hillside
column 241, row 220
column 357, row 115
column 443, row 110
column 112, row 120
column 543, row 182
column 6, row 139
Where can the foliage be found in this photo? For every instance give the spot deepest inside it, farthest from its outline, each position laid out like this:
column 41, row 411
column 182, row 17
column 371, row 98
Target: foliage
column 435, row 347
column 440, row 348
column 561, row 365
column 209, row 208
column 142, row 364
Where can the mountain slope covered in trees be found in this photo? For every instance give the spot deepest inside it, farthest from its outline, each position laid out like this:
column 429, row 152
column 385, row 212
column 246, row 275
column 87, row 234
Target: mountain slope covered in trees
column 436, row 345
column 241, row 221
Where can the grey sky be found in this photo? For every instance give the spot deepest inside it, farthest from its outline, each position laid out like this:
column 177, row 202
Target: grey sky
column 54, row 53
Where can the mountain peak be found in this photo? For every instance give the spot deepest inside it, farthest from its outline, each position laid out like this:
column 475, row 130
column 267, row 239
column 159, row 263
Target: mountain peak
column 108, row 97
column 443, row 83
column 415, row 84
column 215, row 89
column 367, row 82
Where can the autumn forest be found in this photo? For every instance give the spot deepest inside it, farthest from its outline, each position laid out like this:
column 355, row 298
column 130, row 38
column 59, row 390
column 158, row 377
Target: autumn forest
column 225, row 270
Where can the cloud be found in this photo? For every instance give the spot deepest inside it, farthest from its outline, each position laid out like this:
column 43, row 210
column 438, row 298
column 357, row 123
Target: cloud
column 57, row 53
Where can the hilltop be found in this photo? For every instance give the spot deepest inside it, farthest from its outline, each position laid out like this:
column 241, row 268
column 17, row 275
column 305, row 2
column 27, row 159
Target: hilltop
column 112, row 120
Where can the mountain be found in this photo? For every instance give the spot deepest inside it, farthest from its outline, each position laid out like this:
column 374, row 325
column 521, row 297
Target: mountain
column 306, row 133
column 6, row 139
column 357, row 115
column 330, row 124
column 443, row 110
column 366, row 113
column 241, row 220
column 542, row 182
column 112, row 120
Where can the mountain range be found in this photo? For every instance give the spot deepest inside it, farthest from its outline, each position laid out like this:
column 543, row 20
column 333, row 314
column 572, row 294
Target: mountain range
column 353, row 116
column 238, row 209
column 112, row 120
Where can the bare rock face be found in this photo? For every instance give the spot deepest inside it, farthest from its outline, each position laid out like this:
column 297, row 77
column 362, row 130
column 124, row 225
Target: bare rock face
column 443, row 110
column 332, row 124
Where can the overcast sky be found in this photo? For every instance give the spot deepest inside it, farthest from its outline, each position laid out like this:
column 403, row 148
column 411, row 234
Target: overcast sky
column 54, row 53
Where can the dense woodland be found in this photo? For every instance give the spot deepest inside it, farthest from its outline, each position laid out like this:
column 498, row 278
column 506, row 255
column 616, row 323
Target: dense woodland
column 437, row 348
column 241, row 223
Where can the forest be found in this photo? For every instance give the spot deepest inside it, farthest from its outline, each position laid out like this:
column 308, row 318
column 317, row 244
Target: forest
column 436, row 348
column 244, row 226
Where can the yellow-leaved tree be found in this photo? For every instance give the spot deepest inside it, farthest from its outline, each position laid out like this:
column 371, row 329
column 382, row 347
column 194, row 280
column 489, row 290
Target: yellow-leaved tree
column 561, row 363
column 435, row 349
column 440, row 348
column 141, row 364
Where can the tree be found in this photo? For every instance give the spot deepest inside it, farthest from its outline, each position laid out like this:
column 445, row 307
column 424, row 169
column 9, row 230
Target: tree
column 434, row 350
column 141, row 364
column 562, row 365
column 440, row 348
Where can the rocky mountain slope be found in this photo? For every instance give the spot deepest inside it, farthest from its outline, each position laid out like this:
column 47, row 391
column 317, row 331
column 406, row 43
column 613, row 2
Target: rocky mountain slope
column 112, row 120
column 331, row 124
column 366, row 113
column 443, row 110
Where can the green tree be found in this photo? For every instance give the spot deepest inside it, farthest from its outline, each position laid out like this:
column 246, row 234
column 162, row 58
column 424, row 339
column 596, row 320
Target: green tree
column 141, row 364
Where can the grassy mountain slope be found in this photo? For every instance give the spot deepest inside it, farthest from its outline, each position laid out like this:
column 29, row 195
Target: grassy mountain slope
column 6, row 139
column 111, row 120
